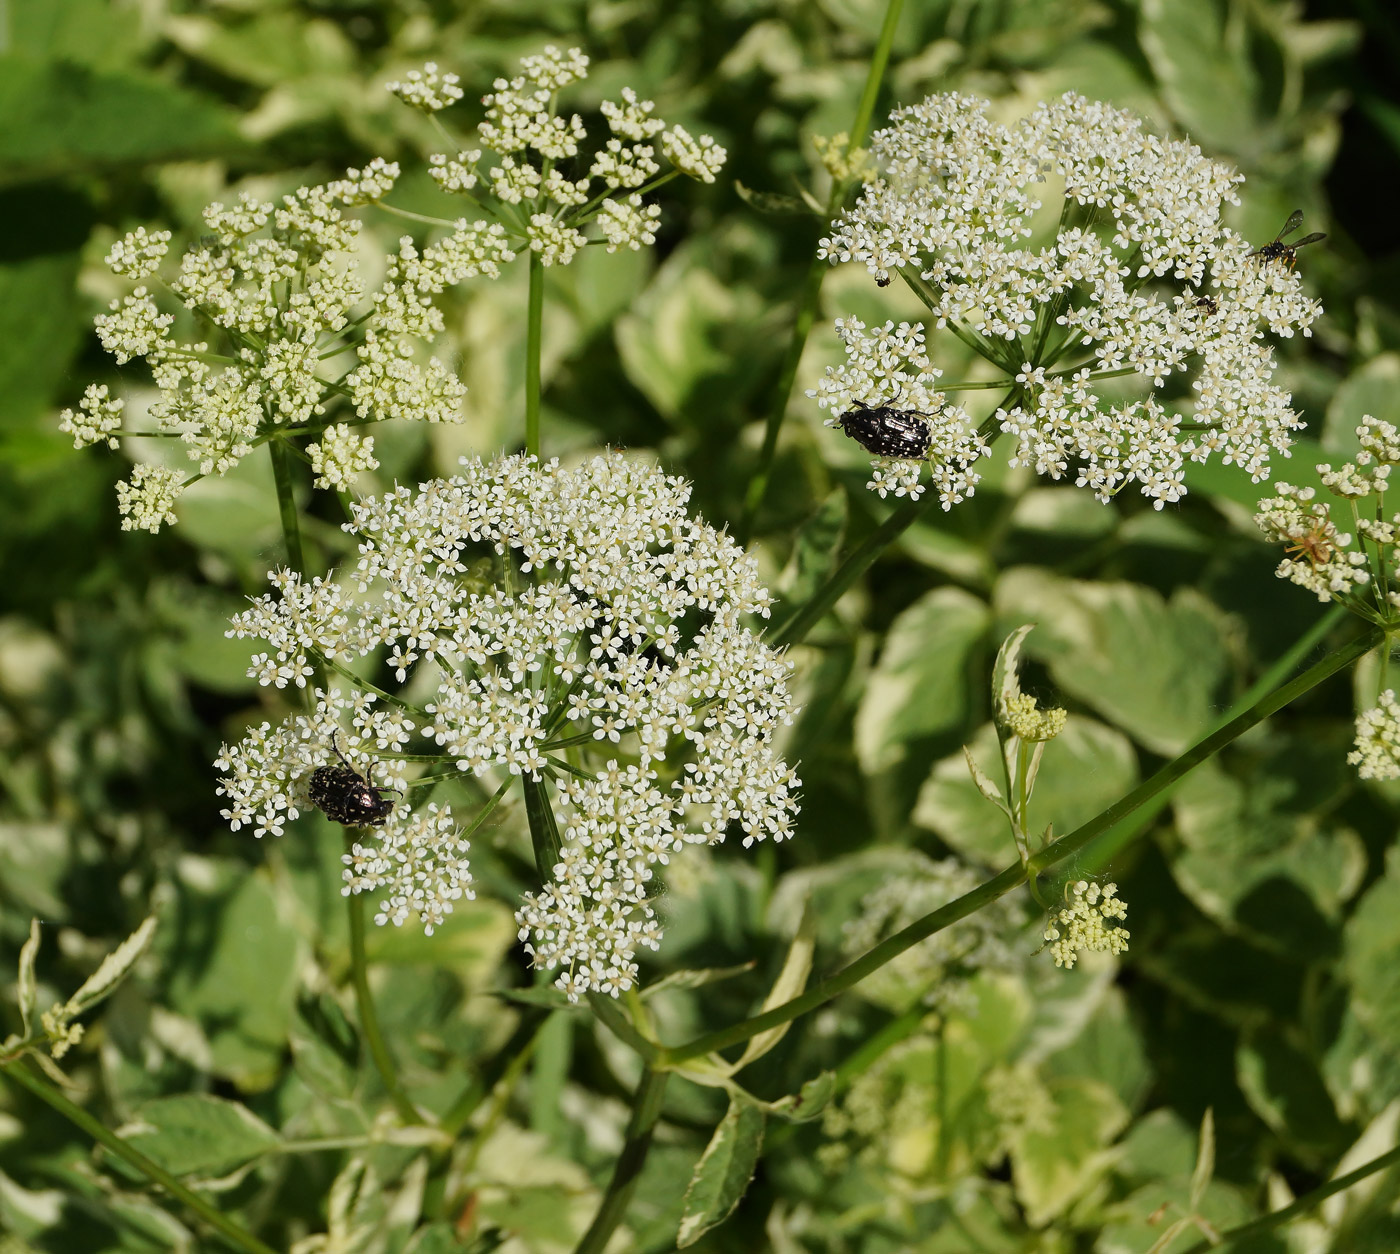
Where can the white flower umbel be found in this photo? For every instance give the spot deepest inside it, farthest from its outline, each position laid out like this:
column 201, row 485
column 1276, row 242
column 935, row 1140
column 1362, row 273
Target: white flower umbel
column 340, row 456
column 290, row 339
column 1070, row 248
column 1357, row 567
column 1377, row 754
column 611, row 658
column 536, row 206
column 1087, row 923
column 148, row 499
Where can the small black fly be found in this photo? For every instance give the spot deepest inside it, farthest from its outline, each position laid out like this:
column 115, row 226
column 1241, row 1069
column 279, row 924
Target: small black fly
column 887, row 431
column 1277, row 250
column 345, row 796
column 885, row 282
column 1207, row 306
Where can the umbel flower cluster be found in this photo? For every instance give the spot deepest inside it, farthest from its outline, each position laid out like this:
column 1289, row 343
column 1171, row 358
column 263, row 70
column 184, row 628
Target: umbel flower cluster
column 566, row 625
column 279, row 338
column 290, row 340
column 1087, row 923
column 1356, row 566
column 536, row 188
column 1085, row 259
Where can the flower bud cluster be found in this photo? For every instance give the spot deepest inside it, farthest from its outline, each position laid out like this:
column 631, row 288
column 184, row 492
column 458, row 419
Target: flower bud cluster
column 1139, row 280
column 1086, row 924
column 609, row 656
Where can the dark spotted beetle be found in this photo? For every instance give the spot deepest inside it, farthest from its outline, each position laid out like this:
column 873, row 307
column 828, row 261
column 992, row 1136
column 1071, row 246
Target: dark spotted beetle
column 345, row 796
column 887, row 431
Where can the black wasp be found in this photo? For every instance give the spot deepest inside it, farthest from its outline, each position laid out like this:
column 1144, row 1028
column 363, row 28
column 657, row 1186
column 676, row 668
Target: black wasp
column 345, row 796
column 887, row 431
column 1277, row 250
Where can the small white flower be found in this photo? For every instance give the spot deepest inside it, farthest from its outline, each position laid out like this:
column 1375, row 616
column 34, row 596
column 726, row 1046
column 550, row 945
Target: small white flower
column 426, row 89
column 98, row 418
column 139, row 253
column 628, row 224
column 1124, row 280
column 148, row 499
column 624, row 622
column 699, row 158
column 1377, row 754
column 339, row 456
column 1087, row 924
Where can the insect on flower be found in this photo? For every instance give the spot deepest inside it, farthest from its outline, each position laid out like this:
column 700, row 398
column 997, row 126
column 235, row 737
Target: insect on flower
column 345, row 796
column 887, row 431
column 1277, row 250
column 1206, row 306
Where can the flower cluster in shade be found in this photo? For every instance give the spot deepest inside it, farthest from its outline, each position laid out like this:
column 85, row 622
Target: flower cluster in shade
column 1087, row 923
column 287, row 337
column 1085, row 259
column 574, row 626
column 933, row 973
column 1343, row 545
column 530, row 169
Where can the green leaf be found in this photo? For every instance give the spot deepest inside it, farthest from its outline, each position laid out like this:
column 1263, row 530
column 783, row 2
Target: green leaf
column 1372, row 943
column 193, row 1134
column 115, row 967
column 41, row 330
column 1253, row 854
column 1373, row 389
column 61, row 118
column 27, row 990
column 920, row 685
column 1208, row 85
column 1085, row 768
column 1151, row 666
column 816, row 549
column 1204, row 1170
column 544, row 829
column 770, row 202
column 809, row 1101
column 723, row 1173
column 792, row 979
column 235, row 971
column 325, row 1047
column 1054, row 1164
column 1282, row 1085
column 545, row 995
column 695, row 979
column 268, row 50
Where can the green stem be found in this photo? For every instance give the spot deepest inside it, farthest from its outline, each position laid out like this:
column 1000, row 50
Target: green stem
column 622, row 1027
column 1301, row 1206
column 1016, row 874
column 646, row 1110
column 369, row 1019
column 812, row 285
column 793, row 628
column 544, row 830
column 1106, row 846
column 879, row 59
column 287, row 503
column 237, row 1237
column 534, row 321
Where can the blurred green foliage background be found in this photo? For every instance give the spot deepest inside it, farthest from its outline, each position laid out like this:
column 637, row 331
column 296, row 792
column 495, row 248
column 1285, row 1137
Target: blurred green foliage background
column 1052, row 1111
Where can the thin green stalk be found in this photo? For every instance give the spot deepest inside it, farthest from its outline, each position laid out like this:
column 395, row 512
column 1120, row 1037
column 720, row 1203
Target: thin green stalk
column 1304, row 1204
column 622, row 1027
column 287, row 503
column 369, row 1019
column 237, row 1237
column 1016, row 874
column 879, row 59
column 646, row 1110
column 812, row 285
column 544, row 830
column 534, row 322
column 1106, row 846
column 857, row 562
